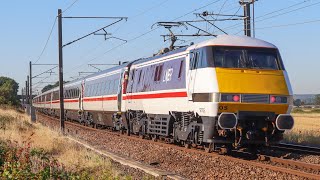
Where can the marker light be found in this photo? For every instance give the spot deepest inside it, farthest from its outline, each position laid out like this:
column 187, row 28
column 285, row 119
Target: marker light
column 279, row 99
column 230, row 98
column 273, row 99
column 236, row 98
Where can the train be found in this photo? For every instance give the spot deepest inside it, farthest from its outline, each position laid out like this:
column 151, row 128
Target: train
column 221, row 94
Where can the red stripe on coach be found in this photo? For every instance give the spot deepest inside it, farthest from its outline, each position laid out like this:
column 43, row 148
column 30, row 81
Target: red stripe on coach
column 158, row 95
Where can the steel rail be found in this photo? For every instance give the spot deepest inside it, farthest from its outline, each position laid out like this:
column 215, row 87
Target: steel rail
column 229, row 158
column 297, row 148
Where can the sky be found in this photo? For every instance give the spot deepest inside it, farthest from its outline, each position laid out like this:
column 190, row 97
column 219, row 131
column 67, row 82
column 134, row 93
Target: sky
column 28, row 32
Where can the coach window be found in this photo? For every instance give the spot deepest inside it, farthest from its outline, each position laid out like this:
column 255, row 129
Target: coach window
column 181, row 68
column 96, row 89
column 157, row 73
column 106, row 87
column 111, row 87
column 139, row 76
column 101, row 89
column 96, row 92
column 88, row 89
column 132, row 75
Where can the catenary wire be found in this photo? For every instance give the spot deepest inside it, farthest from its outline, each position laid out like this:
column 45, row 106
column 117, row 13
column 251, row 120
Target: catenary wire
column 141, row 35
column 273, row 12
column 51, row 31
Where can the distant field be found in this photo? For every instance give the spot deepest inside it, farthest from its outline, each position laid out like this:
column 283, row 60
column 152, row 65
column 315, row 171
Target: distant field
column 306, row 129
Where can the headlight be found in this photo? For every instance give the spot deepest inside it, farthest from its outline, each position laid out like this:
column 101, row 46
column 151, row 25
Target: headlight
column 278, row 99
column 230, row 98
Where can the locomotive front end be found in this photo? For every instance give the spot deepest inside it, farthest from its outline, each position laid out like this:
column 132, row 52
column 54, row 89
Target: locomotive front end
column 255, row 96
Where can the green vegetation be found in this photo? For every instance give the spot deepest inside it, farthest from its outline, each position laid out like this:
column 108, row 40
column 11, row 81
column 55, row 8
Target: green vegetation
column 305, row 110
column 317, row 99
column 51, row 86
column 8, row 91
column 32, row 151
column 306, row 129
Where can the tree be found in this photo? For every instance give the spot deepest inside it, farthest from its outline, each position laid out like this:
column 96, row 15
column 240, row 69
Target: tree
column 8, row 91
column 297, row 102
column 51, row 86
column 317, row 99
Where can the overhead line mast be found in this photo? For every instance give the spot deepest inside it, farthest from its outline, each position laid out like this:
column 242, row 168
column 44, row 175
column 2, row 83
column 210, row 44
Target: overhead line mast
column 61, row 46
column 247, row 14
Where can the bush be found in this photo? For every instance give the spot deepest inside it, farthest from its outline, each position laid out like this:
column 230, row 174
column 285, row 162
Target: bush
column 315, row 110
column 297, row 110
column 8, row 91
column 5, row 121
column 23, row 162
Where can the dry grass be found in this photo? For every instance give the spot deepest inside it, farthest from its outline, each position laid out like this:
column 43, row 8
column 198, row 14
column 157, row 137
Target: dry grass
column 15, row 126
column 306, row 129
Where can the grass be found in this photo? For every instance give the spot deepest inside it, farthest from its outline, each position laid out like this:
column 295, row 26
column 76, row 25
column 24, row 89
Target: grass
column 306, row 129
column 305, row 110
column 32, row 151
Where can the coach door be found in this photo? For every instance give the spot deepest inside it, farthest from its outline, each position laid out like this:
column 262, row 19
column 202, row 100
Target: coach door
column 81, row 95
column 119, row 92
column 192, row 72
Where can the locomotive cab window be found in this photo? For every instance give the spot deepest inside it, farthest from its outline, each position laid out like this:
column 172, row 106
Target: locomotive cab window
column 248, row 58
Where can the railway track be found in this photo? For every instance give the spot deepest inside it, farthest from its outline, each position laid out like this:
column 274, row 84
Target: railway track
column 297, row 148
column 296, row 168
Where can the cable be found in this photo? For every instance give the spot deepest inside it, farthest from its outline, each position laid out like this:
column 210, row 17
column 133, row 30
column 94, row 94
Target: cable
column 292, row 24
column 54, row 23
column 145, row 33
column 286, row 25
column 285, row 13
column 70, row 6
column 289, row 11
column 272, row 12
column 46, row 44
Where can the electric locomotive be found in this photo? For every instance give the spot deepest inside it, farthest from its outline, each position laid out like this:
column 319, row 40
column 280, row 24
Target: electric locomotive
column 227, row 92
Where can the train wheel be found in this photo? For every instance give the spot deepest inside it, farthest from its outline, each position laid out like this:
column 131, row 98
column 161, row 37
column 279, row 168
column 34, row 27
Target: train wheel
column 253, row 149
column 94, row 125
column 154, row 138
column 209, row 148
column 121, row 131
column 141, row 136
column 225, row 150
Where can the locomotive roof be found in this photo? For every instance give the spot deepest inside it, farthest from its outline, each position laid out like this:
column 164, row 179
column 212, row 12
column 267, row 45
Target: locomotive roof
column 220, row 40
column 231, row 40
column 138, row 61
